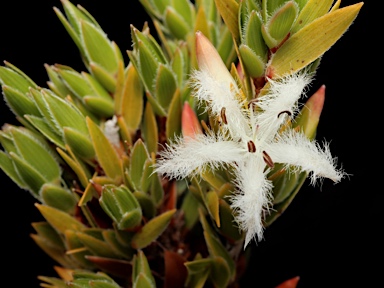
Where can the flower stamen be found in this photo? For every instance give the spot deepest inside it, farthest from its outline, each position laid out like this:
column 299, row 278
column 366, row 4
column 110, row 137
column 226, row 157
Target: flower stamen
column 223, row 116
column 286, row 112
column 268, row 159
column 251, row 146
column 252, row 102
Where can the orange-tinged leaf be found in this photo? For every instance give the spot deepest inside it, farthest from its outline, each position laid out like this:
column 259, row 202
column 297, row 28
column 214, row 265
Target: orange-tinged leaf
column 190, row 124
column 116, row 267
column 291, row 283
column 175, row 270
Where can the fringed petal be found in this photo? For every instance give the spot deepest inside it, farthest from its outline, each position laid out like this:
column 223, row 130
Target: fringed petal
column 295, row 149
column 252, row 200
column 189, row 156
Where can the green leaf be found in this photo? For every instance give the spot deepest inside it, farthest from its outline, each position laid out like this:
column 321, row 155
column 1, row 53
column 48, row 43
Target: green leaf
column 9, row 77
column 58, row 197
column 253, row 63
column 212, row 203
column 216, row 248
column 146, row 203
column 29, row 175
column 280, row 23
column 122, row 249
column 100, row 106
column 64, row 113
column 105, row 152
column 76, row 249
column 229, row 11
column 312, row 10
column 188, row 206
column 43, row 127
column 148, row 66
column 45, row 114
column 312, row 41
column 165, row 85
column 198, row 272
column 56, row 253
column 139, row 156
column 186, row 10
column 279, row 209
column 141, row 272
column 97, row 46
column 96, row 246
column 220, row 274
column 79, row 143
column 6, row 164
column 59, row 220
column 176, row 24
column 132, row 100
column 56, row 84
column 152, row 230
column 81, row 172
column 149, row 129
column 253, row 36
column 173, row 121
column 105, row 78
column 228, row 226
column 37, row 154
column 75, row 82
column 19, row 103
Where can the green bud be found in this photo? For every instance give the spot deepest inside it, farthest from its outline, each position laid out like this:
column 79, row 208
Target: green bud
column 121, row 205
column 276, row 29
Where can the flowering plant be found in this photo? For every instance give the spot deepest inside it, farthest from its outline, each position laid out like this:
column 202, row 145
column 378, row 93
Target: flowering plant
column 162, row 171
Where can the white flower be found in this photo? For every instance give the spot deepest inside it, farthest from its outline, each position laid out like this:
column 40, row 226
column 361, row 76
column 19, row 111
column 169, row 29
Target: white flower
column 250, row 141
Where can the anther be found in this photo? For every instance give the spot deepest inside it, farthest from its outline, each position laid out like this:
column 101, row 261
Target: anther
column 268, row 159
column 252, row 102
column 251, row 146
column 223, row 116
column 285, row 111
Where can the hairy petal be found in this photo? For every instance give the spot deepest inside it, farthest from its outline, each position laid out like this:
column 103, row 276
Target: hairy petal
column 222, row 94
column 283, row 95
column 252, row 200
column 294, row 148
column 190, row 156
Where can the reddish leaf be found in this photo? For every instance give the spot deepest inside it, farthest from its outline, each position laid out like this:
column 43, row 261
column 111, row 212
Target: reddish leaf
column 175, row 271
column 291, row 283
column 116, row 267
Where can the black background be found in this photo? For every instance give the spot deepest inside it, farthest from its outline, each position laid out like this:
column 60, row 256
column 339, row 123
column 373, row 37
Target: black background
column 329, row 236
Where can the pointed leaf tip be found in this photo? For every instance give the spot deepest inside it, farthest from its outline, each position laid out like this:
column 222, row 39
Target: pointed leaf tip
column 209, row 60
column 291, row 283
column 190, row 124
